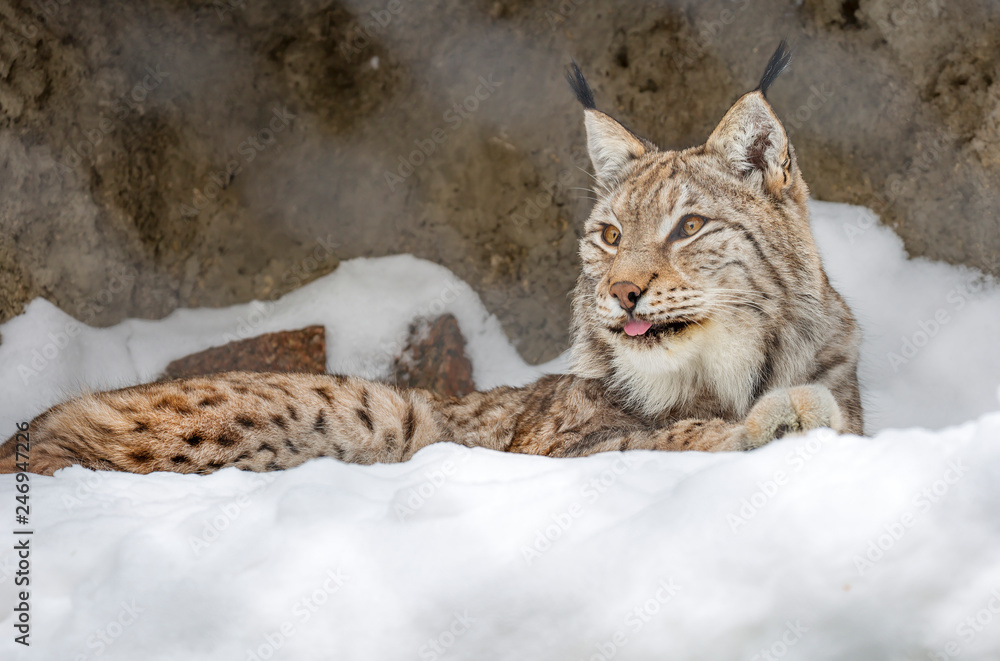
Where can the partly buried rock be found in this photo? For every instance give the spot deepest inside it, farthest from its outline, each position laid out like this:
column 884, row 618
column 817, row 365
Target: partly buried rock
column 301, row 350
column 434, row 358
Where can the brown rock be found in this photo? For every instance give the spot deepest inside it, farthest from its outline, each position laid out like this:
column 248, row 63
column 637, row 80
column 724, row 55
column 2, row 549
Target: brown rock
column 301, row 350
column 434, row 358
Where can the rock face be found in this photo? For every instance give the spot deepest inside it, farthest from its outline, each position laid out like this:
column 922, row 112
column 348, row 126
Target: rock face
column 166, row 153
column 434, row 358
column 292, row 351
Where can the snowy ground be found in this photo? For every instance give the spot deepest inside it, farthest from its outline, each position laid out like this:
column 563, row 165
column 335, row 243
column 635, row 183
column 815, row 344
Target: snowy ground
column 811, row 548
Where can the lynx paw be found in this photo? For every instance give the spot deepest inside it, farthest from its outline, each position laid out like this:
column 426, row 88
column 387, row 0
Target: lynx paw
column 791, row 411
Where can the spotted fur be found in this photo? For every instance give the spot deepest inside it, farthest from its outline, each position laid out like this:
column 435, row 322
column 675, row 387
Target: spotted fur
column 747, row 340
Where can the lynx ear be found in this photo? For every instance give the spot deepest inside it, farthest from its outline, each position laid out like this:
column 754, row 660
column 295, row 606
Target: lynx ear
column 751, row 139
column 611, row 145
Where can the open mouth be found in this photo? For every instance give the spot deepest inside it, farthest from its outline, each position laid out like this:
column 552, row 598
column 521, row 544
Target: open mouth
column 639, row 329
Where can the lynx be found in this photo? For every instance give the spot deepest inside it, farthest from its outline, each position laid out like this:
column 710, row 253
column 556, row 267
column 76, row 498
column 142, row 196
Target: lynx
column 702, row 320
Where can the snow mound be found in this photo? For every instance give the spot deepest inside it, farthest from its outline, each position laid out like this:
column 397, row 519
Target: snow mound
column 820, row 547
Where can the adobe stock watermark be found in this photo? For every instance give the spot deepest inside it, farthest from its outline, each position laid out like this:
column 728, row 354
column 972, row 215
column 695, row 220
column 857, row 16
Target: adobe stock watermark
column 438, row 646
column 46, row 354
column 535, row 205
column 127, row 103
column 293, row 277
column 545, row 537
column 561, row 11
column 434, row 479
column 684, row 59
column 637, row 618
column 779, row 648
column 363, row 33
column 907, row 10
column 249, row 150
column 708, row 32
column 226, row 8
column 712, row 29
column 101, row 639
column 767, row 489
column 927, row 329
column 453, row 117
column 8, row 568
column 302, row 612
column 819, row 96
column 227, row 513
column 27, row 27
column 969, row 628
column 894, row 188
column 84, row 489
column 922, row 503
column 381, row 360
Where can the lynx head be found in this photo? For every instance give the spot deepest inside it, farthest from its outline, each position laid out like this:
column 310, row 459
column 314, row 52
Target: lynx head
column 695, row 262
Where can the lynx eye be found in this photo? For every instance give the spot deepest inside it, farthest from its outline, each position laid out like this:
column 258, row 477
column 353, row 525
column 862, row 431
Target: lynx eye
column 611, row 235
column 691, row 225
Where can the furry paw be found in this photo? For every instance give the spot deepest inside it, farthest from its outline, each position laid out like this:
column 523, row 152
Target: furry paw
column 791, row 411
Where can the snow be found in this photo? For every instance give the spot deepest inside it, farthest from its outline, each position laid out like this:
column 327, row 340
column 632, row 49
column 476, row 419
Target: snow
column 820, row 547
column 931, row 354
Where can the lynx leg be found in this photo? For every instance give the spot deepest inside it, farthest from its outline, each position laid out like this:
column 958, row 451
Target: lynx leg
column 792, row 411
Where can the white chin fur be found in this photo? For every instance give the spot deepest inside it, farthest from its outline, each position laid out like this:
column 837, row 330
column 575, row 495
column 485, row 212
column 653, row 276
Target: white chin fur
column 669, row 374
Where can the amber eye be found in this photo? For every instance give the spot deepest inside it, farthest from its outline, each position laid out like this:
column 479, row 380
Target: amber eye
column 611, row 235
column 691, row 225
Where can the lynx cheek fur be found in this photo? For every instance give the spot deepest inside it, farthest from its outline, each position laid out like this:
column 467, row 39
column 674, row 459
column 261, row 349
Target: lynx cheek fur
column 703, row 320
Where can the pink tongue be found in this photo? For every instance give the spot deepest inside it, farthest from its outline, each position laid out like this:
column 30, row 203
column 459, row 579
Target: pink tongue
column 636, row 327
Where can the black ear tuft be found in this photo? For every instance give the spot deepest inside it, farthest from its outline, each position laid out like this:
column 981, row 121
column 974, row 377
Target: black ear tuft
column 775, row 66
column 580, row 87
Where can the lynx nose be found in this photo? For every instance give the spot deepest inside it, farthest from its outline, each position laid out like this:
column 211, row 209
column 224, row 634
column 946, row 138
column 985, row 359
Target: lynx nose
column 627, row 293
